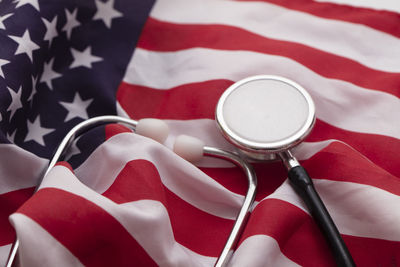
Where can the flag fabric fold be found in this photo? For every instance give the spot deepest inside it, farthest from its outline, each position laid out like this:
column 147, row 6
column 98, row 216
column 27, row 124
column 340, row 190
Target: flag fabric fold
column 120, row 199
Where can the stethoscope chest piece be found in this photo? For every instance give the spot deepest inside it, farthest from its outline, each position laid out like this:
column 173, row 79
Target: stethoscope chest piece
column 264, row 115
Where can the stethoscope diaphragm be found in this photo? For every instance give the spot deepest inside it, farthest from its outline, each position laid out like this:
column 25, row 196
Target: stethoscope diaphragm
column 263, row 115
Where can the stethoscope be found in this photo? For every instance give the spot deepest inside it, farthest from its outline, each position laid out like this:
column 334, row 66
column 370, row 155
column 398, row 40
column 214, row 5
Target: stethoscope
column 264, row 117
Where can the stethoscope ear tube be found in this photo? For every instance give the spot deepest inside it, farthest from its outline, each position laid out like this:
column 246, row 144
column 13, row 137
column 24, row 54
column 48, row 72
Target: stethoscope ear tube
column 304, row 186
column 245, row 210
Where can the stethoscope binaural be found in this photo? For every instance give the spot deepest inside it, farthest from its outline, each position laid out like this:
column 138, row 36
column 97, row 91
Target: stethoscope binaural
column 263, row 116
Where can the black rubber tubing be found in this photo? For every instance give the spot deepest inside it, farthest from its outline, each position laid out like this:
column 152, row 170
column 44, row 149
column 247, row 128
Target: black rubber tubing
column 304, row 186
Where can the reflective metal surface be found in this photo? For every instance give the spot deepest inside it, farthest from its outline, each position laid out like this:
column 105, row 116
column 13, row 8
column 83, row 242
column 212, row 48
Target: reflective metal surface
column 244, row 212
column 288, row 160
column 258, row 149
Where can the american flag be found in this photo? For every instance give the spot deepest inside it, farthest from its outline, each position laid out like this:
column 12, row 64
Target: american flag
column 126, row 200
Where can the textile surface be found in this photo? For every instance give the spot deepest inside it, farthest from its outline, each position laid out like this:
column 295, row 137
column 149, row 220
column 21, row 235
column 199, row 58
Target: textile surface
column 121, row 199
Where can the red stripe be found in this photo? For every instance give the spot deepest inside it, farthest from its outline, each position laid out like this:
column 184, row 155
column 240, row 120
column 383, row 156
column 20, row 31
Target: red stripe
column 301, row 241
column 86, row 230
column 338, row 162
column 198, row 100
column 139, row 179
column 9, row 203
column 373, row 252
column 192, row 227
column 66, row 165
column 382, row 150
column 114, row 129
column 162, row 36
column 381, row 20
column 197, row 230
column 270, row 176
column 296, row 233
column 189, row 101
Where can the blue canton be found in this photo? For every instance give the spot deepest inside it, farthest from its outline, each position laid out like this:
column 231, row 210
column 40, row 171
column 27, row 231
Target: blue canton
column 61, row 62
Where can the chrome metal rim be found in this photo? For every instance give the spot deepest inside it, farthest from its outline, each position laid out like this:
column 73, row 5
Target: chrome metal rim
column 258, row 148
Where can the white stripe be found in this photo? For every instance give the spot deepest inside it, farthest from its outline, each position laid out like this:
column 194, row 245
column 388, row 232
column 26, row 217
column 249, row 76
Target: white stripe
column 260, row 251
column 338, row 103
column 286, row 193
column 362, row 210
column 389, row 5
column 147, row 221
column 150, row 229
column 120, row 110
column 203, row 129
column 353, row 41
column 19, row 168
column 4, row 251
column 306, row 150
column 38, row 248
column 181, row 177
column 357, row 209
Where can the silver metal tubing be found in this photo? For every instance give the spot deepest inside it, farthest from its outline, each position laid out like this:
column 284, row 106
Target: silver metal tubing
column 289, row 160
column 82, row 128
column 13, row 253
column 74, row 133
column 244, row 212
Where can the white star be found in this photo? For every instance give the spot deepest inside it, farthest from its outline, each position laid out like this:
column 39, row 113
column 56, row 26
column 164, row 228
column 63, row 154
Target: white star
column 72, row 151
column 36, row 132
column 51, row 30
column 2, row 63
column 77, row 108
column 15, row 101
column 84, row 58
column 25, row 44
column 106, row 12
column 33, row 3
column 11, row 137
column 34, row 82
column 49, row 74
column 72, row 22
column 3, row 18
